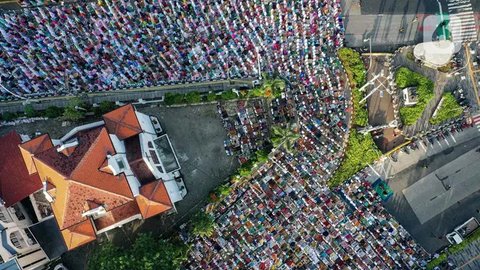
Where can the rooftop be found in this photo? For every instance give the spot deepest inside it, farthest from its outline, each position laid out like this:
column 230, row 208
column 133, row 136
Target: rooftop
column 15, row 181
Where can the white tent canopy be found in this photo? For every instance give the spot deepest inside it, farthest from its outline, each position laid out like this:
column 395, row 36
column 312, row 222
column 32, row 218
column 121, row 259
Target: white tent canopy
column 435, row 53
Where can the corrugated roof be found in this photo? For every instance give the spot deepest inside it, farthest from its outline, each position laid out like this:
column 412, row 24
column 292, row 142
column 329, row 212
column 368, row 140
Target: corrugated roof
column 15, row 181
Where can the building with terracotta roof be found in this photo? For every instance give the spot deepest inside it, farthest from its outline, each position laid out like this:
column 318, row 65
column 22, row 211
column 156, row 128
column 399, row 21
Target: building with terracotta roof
column 105, row 174
column 18, row 187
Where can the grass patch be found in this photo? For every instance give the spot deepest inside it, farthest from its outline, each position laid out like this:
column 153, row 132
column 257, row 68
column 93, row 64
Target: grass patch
column 407, row 78
column 448, row 109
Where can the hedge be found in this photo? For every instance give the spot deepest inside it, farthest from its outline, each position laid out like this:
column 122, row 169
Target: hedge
column 404, row 77
column 449, row 109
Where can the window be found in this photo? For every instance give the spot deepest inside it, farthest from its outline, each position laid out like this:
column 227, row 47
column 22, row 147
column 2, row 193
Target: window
column 150, row 145
column 121, row 166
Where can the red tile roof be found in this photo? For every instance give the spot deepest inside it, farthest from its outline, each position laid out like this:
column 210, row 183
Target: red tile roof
column 15, row 181
column 153, row 199
column 122, row 122
column 116, row 215
column 79, row 234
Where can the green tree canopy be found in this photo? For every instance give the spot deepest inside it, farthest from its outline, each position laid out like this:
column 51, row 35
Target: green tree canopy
column 449, row 109
column 29, row 111
column 53, row 112
column 146, row 253
column 202, row 225
column 284, row 137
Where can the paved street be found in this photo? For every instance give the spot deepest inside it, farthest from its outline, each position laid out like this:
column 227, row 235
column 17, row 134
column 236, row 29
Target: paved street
column 383, row 19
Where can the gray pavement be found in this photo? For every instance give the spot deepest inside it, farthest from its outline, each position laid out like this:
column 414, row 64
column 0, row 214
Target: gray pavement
column 445, row 186
column 197, row 135
column 410, row 168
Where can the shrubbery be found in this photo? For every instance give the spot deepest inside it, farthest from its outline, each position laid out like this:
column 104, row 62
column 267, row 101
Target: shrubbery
column 449, row 109
column 407, row 78
column 146, row 253
column 356, row 73
column 202, row 225
column 361, row 151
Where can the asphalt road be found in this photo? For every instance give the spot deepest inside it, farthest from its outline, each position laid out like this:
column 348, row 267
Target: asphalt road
column 369, row 7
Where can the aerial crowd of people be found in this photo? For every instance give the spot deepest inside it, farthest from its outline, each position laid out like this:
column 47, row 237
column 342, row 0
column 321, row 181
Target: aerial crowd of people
column 286, row 216
column 107, row 45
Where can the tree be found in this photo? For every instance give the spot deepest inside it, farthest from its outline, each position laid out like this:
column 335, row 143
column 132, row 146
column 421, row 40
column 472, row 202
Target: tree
column 29, row 111
column 173, row 98
column 202, row 225
column 193, row 97
column 75, row 110
column 262, row 156
column 211, row 97
column 284, row 137
column 53, row 112
column 104, row 107
column 146, row 253
column 228, row 95
column 354, row 66
column 9, row 116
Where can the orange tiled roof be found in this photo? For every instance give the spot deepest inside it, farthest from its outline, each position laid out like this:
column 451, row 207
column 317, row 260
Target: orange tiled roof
column 153, row 199
column 79, row 234
column 118, row 214
column 122, row 122
column 32, row 147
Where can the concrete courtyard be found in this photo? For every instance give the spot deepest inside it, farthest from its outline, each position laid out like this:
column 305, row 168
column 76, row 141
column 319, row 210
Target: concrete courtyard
column 444, row 187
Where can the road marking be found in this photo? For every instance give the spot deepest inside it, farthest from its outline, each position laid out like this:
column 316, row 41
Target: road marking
column 447, row 142
column 421, row 144
column 453, row 138
column 439, row 143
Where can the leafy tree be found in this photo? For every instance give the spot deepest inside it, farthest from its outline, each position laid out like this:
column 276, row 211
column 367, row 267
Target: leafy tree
column 228, row 95
column 9, row 116
column 449, row 109
column 262, row 156
column 284, row 137
column 354, row 66
column 53, row 112
column 361, row 151
column 29, row 111
column 202, row 225
column 146, row 253
column 211, row 96
column 174, row 98
column 193, row 97
column 407, row 78
column 104, row 107
column 75, row 110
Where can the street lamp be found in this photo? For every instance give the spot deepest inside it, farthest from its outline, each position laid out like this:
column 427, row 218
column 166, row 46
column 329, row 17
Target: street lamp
column 441, row 18
column 370, row 46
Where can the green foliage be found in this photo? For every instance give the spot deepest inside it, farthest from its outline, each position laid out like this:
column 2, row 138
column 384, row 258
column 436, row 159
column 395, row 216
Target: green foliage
column 193, row 97
column 262, row 155
column 449, row 109
column 104, row 107
column 271, row 88
column 353, row 66
column 407, row 78
column 29, row 111
column 72, row 114
column 228, row 95
column 147, row 253
column 357, row 75
column 452, row 250
column 75, row 110
column 410, row 55
column 9, row 116
column 211, row 97
column 174, row 98
column 53, row 112
column 284, row 137
column 361, row 151
column 202, row 225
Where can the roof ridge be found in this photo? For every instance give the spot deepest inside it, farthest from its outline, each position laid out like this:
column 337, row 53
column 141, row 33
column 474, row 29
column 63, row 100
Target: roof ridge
column 102, row 190
column 94, row 143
